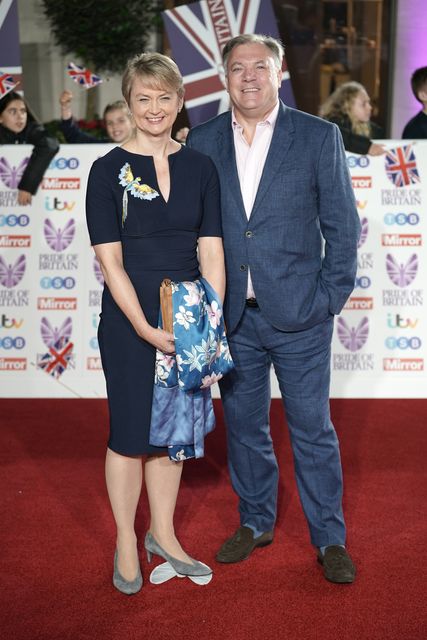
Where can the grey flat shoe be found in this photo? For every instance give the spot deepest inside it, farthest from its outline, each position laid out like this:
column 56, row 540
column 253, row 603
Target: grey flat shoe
column 183, row 568
column 126, row 586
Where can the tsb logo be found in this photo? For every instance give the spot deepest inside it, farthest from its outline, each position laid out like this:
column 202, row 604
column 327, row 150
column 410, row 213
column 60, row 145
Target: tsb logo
column 357, row 161
column 363, row 282
column 403, row 343
column 57, row 282
column 14, row 221
column 64, row 163
column 12, row 343
column 401, row 218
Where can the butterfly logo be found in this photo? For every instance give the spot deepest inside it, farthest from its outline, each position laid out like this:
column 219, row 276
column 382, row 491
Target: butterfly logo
column 97, row 270
column 11, row 275
column 353, row 338
column 402, row 274
column 364, row 232
column 133, row 186
column 52, row 335
column 11, row 176
column 59, row 239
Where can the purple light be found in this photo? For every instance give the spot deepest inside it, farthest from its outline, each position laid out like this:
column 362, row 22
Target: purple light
column 410, row 54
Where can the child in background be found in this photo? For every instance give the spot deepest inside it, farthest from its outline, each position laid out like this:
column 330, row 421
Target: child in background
column 416, row 128
column 117, row 121
column 350, row 108
column 18, row 126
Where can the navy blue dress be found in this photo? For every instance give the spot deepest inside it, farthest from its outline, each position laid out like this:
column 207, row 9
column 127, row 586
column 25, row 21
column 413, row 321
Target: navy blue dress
column 159, row 240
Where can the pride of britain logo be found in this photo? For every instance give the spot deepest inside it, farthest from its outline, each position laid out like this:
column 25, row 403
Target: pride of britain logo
column 402, row 274
column 353, row 339
column 59, row 239
column 12, row 274
column 11, row 175
column 51, row 335
column 97, row 271
column 95, row 295
column 363, row 232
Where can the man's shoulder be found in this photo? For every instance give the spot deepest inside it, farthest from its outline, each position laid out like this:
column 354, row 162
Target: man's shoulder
column 415, row 125
column 213, row 125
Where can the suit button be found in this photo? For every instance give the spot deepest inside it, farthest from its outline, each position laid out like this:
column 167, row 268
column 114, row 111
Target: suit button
column 242, row 267
column 249, row 234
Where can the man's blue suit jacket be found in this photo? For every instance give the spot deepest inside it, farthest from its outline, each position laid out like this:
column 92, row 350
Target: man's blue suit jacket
column 305, row 193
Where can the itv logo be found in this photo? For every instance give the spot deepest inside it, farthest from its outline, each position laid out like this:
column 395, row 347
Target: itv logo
column 55, row 204
column 395, row 321
column 10, row 323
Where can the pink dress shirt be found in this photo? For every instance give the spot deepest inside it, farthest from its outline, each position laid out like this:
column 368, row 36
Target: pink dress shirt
column 250, row 160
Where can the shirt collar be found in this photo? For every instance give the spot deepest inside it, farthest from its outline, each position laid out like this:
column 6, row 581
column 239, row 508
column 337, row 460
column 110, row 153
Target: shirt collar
column 270, row 118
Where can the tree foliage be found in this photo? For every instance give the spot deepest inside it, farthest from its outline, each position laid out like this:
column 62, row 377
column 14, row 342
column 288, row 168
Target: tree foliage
column 104, row 35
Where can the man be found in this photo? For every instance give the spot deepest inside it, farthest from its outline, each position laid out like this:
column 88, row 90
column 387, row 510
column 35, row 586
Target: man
column 284, row 185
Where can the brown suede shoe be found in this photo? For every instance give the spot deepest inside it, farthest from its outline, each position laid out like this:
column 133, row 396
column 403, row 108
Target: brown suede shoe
column 337, row 565
column 241, row 544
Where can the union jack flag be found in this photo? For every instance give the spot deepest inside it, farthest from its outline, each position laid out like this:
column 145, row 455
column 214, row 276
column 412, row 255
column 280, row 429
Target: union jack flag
column 401, row 166
column 7, row 83
column 56, row 360
column 82, row 76
column 198, row 32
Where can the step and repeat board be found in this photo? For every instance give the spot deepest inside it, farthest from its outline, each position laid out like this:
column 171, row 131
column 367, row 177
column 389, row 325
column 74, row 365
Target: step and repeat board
column 51, row 284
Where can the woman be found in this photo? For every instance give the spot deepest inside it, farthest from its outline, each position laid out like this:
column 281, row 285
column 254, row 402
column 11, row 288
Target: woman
column 350, row 108
column 18, row 126
column 151, row 205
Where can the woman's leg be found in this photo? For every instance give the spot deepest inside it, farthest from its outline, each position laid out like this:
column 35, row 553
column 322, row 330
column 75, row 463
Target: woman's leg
column 123, row 475
column 162, row 478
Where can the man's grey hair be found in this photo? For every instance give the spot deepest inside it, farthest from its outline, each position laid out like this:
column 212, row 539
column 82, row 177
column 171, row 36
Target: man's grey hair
column 273, row 44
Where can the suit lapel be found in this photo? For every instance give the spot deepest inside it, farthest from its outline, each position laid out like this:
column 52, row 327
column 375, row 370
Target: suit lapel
column 227, row 158
column 281, row 142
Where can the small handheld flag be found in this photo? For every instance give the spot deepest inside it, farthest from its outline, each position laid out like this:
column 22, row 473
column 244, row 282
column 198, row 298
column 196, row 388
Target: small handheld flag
column 82, row 76
column 7, row 83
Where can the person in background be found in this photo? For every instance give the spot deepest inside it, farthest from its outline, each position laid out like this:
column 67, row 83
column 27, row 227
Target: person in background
column 350, row 108
column 285, row 187
column 181, row 135
column 416, row 128
column 18, row 126
column 117, row 121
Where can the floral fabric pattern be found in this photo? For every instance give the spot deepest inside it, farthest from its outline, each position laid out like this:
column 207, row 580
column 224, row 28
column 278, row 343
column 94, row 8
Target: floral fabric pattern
column 182, row 411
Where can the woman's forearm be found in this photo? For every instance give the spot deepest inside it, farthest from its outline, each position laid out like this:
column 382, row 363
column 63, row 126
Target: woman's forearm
column 212, row 268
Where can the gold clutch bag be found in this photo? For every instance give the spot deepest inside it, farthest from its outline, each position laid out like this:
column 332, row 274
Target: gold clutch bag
column 166, row 305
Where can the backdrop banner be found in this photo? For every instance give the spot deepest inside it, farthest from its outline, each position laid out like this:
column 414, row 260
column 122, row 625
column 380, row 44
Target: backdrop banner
column 198, row 32
column 10, row 48
column 51, row 285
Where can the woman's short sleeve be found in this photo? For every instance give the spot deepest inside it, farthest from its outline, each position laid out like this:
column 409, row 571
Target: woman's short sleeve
column 211, row 220
column 101, row 210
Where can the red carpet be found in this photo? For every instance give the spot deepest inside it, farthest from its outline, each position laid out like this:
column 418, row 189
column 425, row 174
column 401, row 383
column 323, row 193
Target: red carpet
column 57, row 536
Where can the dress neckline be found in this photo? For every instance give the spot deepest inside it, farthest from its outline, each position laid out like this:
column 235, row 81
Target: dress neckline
column 142, row 155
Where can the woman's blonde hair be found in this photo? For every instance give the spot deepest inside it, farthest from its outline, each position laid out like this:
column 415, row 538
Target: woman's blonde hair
column 157, row 70
column 339, row 104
